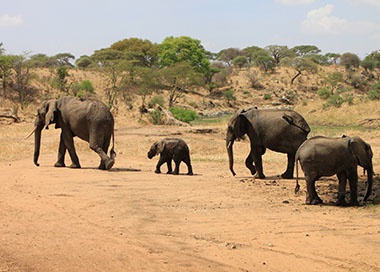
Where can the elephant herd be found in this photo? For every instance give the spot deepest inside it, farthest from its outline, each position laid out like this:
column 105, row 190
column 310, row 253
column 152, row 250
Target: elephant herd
column 283, row 131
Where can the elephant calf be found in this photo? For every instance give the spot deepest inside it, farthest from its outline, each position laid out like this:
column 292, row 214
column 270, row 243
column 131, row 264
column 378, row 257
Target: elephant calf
column 323, row 156
column 171, row 149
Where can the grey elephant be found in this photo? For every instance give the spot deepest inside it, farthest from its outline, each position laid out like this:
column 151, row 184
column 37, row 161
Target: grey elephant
column 88, row 119
column 278, row 130
column 322, row 156
column 171, row 149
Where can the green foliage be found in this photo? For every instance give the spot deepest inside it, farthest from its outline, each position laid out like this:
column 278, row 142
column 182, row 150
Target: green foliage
column 155, row 117
column 157, row 100
column 240, row 61
column 60, row 82
column 334, row 100
column 184, row 49
column 349, row 60
column 229, row 95
column 334, row 78
column 267, row 96
column 184, row 115
column 83, row 89
column 324, row 93
column 374, row 92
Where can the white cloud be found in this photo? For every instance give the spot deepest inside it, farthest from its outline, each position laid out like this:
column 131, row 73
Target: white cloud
column 294, row 2
column 6, row 20
column 373, row 3
column 322, row 21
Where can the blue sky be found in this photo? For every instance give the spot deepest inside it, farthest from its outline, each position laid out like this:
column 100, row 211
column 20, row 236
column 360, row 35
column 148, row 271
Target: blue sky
column 80, row 27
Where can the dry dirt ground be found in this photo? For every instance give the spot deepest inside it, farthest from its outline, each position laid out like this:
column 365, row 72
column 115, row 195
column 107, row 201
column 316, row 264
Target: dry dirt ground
column 131, row 219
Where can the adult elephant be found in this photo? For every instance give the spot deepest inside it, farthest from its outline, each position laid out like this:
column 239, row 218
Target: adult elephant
column 88, row 119
column 278, row 130
column 323, row 156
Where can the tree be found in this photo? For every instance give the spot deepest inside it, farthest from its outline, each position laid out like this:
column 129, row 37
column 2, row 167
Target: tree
column 332, row 58
column 240, row 61
column 84, row 62
column 144, row 52
column 64, row 59
column 227, row 55
column 300, row 65
column 371, row 61
column 303, row 50
column 250, row 53
column 6, row 64
column 177, row 79
column 278, row 52
column 184, row 49
column 349, row 60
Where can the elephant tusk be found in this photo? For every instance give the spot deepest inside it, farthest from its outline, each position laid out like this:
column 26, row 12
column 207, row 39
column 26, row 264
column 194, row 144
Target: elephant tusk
column 30, row 134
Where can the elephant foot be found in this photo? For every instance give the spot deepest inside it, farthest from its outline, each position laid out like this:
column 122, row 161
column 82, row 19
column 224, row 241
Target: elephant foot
column 59, row 164
column 169, row 172
column 75, row 166
column 157, row 171
column 190, row 173
column 260, row 176
column 287, row 176
column 316, row 201
column 109, row 164
column 353, row 203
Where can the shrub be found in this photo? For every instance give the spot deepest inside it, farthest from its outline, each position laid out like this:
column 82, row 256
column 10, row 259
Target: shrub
column 374, row 92
column 324, row 93
column 155, row 117
column 267, row 96
column 229, row 95
column 157, row 100
column 184, row 115
column 83, row 89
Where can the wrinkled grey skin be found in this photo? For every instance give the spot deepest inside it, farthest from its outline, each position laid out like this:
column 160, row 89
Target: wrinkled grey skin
column 88, row 119
column 323, row 156
column 171, row 149
column 278, row 130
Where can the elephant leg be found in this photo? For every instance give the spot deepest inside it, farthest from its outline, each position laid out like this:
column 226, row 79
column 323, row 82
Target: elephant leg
column 249, row 164
column 312, row 197
column 189, row 167
column 160, row 162
column 342, row 177
column 61, row 153
column 106, row 162
column 257, row 158
column 177, row 162
column 169, row 164
column 69, row 143
column 353, row 180
column 288, row 174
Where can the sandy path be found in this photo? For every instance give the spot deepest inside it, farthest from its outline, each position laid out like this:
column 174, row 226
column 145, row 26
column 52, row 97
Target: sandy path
column 60, row 219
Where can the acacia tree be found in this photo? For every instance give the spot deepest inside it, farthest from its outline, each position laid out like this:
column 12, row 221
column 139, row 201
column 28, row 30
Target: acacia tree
column 177, row 79
column 300, row 65
column 279, row 52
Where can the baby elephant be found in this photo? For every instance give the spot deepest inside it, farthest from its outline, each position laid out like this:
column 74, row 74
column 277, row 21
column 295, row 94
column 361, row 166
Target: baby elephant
column 171, row 149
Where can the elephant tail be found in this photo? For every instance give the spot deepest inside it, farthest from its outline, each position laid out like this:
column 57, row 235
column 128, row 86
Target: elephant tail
column 112, row 152
column 297, row 188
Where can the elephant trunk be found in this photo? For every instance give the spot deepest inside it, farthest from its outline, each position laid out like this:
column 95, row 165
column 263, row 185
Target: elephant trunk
column 37, row 144
column 369, row 182
column 229, row 144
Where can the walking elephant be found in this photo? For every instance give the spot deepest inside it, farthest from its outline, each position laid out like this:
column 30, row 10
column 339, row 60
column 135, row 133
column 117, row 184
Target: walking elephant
column 88, row 119
column 322, row 156
column 278, row 130
column 171, row 149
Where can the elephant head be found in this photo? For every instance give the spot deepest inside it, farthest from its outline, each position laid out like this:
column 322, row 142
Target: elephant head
column 236, row 129
column 46, row 115
column 362, row 152
column 156, row 149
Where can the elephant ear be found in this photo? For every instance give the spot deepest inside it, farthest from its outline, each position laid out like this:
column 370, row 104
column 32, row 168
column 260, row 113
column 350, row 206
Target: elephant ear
column 51, row 108
column 160, row 146
column 360, row 150
column 245, row 117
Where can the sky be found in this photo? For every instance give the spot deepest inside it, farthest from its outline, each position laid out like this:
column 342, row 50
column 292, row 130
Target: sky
column 81, row 27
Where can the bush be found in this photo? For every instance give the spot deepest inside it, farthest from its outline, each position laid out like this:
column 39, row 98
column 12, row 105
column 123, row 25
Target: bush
column 267, row 96
column 324, row 93
column 83, row 89
column 229, row 95
column 184, row 115
column 156, row 117
column 374, row 92
column 157, row 100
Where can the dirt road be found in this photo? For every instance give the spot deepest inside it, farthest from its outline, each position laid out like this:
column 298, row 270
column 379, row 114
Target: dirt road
column 131, row 219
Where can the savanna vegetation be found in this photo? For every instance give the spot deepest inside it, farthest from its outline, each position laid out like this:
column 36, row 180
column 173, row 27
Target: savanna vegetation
column 180, row 75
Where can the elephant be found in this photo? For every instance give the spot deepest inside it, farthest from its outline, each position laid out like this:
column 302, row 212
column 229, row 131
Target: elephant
column 171, row 149
column 88, row 119
column 325, row 156
column 278, row 130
